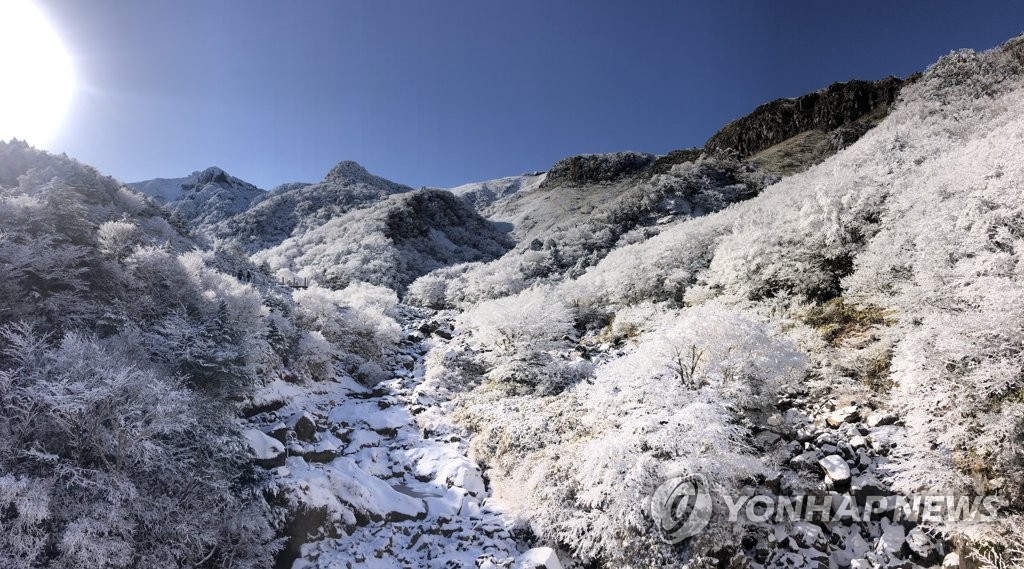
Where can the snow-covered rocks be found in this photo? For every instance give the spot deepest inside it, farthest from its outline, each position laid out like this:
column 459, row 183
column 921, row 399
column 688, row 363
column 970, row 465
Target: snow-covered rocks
column 303, row 425
column 269, row 452
column 539, row 558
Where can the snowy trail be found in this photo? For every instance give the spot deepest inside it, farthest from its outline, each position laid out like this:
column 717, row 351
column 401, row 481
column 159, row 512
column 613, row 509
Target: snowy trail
column 368, row 488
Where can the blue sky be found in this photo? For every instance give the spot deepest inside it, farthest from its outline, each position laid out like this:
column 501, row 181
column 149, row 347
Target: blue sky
column 440, row 93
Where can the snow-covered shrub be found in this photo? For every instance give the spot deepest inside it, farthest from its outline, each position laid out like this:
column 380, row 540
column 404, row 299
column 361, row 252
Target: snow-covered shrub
column 354, row 320
column 579, row 466
column 117, row 237
column 107, row 464
column 516, row 336
column 531, row 321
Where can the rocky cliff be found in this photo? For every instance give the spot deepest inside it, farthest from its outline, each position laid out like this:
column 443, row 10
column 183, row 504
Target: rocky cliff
column 790, row 135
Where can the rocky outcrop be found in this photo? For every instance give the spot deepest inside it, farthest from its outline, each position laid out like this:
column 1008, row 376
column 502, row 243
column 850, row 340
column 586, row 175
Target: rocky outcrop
column 588, row 169
column 832, row 108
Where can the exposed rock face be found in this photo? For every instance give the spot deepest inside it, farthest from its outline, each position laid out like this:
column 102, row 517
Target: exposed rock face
column 826, row 110
column 663, row 164
column 597, row 168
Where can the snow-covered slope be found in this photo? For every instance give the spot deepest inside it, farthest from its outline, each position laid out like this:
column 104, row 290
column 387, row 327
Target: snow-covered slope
column 389, row 243
column 481, row 195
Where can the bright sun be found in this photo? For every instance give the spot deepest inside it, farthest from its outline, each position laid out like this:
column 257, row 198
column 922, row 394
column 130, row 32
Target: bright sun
column 36, row 78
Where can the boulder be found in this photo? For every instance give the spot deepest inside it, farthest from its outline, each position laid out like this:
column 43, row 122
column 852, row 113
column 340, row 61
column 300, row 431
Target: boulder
column 805, row 461
column 268, row 452
column 923, row 546
column 303, row 425
column 892, row 541
column 881, row 419
column 836, row 469
column 838, row 417
column 540, row 558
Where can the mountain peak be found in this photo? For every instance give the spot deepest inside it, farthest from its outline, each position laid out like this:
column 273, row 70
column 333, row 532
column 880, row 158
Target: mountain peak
column 211, row 175
column 346, row 170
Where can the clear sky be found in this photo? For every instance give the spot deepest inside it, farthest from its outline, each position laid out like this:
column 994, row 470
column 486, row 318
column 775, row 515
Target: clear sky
column 440, row 93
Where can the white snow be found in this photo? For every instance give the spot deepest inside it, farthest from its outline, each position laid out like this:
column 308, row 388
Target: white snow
column 263, row 446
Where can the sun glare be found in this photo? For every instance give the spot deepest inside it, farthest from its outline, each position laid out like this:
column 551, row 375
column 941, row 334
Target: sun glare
column 36, row 77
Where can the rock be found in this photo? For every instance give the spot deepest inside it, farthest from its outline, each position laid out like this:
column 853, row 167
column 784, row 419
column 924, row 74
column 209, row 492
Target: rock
column 303, row 525
column 444, row 333
column 540, row 557
column 322, row 452
column 883, row 438
column 805, row 461
column 825, row 110
column 923, row 546
column 866, row 487
column 859, row 564
column 277, row 431
column 268, row 452
column 303, row 425
column 767, row 439
column 836, row 469
column 804, row 435
column 825, row 439
column 794, row 448
column 808, row 535
column 596, row 168
column 892, row 541
column 858, row 442
column 427, row 328
column 951, row 561
column 856, row 548
column 844, row 415
column 881, row 419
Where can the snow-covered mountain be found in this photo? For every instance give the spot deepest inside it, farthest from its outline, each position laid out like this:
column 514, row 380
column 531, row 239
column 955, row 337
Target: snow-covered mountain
column 294, row 208
column 824, row 302
column 203, row 198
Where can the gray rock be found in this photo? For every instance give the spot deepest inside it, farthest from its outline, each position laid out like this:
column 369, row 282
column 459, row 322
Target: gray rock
column 892, row 541
column 303, row 425
column 867, row 486
column 808, row 535
column 805, row 462
column 923, row 546
column 836, row 469
column 848, row 414
column 881, row 419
